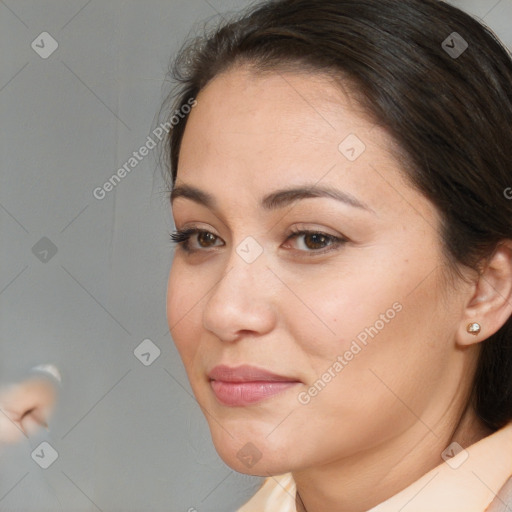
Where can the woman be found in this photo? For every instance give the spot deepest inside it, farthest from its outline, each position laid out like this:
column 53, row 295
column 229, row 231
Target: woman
column 341, row 292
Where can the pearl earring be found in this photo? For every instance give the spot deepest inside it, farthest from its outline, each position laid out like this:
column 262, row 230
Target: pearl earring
column 474, row 328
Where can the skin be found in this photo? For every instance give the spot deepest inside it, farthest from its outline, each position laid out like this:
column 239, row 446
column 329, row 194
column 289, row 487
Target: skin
column 25, row 407
column 385, row 419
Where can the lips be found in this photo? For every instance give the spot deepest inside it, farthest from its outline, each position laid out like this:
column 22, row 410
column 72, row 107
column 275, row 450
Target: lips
column 246, row 385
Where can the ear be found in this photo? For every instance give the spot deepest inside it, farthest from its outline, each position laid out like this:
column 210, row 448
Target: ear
column 25, row 407
column 491, row 302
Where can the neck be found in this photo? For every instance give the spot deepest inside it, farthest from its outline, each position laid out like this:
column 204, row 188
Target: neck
column 359, row 483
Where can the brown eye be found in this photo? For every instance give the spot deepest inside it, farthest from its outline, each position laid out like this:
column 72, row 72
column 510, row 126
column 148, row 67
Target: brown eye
column 205, row 238
column 192, row 240
column 316, row 240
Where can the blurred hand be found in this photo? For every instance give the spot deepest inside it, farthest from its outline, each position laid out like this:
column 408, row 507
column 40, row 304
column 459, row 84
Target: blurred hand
column 25, row 407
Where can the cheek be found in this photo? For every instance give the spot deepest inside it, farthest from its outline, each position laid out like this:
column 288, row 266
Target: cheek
column 329, row 313
column 370, row 324
column 385, row 342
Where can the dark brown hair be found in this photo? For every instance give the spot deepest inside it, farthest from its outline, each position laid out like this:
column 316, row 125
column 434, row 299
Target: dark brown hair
column 450, row 114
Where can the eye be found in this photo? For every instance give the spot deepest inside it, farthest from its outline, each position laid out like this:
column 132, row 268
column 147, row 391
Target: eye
column 204, row 238
column 315, row 241
column 310, row 241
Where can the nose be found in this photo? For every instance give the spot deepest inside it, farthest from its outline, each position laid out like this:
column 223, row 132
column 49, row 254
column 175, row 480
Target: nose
column 242, row 302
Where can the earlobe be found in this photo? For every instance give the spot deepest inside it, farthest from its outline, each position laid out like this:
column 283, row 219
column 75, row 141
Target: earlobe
column 490, row 306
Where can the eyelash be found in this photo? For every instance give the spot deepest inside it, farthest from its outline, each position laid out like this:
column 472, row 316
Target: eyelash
column 182, row 238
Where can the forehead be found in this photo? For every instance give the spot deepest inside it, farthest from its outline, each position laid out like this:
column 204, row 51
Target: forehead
column 242, row 108
column 253, row 132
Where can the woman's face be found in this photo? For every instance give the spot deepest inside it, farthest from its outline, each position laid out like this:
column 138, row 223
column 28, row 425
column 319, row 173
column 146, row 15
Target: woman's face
column 303, row 349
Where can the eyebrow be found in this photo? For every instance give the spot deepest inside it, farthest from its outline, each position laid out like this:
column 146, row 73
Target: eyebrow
column 274, row 200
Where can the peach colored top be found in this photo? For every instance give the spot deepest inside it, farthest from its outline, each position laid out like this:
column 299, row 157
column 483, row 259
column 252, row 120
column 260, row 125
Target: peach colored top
column 466, row 482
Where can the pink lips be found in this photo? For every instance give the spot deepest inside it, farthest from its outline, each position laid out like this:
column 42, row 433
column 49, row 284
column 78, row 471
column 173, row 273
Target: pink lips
column 245, row 385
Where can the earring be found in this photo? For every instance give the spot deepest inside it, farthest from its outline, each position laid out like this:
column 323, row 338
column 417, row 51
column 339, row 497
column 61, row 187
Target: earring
column 474, row 328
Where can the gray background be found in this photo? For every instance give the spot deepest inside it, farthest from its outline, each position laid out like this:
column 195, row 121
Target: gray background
column 129, row 437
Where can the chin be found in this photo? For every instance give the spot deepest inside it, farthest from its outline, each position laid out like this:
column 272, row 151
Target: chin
column 252, row 453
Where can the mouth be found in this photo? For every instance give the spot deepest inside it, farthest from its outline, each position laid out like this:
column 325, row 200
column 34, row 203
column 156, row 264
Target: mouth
column 245, row 385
